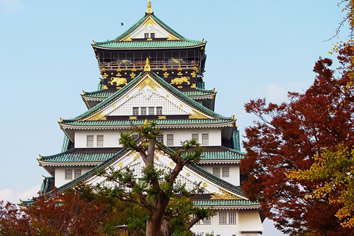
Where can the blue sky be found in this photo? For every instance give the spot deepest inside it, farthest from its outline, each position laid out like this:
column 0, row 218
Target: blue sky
column 255, row 49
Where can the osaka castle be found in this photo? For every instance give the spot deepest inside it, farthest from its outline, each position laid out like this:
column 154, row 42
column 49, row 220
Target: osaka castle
column 151, row 72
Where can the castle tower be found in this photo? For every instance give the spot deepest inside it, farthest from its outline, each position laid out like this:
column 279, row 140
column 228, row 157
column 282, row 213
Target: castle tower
column 151, row 72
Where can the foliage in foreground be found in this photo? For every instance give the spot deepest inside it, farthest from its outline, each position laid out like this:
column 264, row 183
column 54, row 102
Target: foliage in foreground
column 286, row 139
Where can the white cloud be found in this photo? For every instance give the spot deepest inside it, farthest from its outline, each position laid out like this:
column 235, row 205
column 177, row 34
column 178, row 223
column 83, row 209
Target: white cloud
column 6, row 194
column 12, row 5
column 275, row 93
column 14, row 197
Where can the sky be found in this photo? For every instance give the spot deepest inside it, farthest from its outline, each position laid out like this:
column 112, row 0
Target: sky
column 255, row 49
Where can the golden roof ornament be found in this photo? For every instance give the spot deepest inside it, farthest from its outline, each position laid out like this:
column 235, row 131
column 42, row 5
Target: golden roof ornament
column 147, row 65
column 149, row 10
column 146, row 123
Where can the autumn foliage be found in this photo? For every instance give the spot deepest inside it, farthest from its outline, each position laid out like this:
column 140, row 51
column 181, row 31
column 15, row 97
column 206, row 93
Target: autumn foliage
column 288, row 136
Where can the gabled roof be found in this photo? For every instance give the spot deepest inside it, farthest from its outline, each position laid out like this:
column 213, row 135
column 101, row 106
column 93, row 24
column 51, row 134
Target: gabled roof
column 220, row 182
column 130, row 85
column 176, row 40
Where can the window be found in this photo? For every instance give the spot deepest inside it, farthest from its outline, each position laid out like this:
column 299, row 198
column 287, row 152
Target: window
column 77, row 173
column 169, row 139
column 205, row 139
column 99, row 140
column 135, row 111
column 152, row 35
column 68, row 173
column 146, row 35
column 207, row 221
column 89, row 140
column 196, row 137
column 222, row 217
column 151, row 110
column 158, row 110
column 232, row 217
column 159, row 138
column 216, row 171
column 225, row 172
column 143, row 111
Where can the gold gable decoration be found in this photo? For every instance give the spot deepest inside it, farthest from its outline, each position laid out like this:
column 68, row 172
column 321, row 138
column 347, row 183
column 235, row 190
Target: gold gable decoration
column 224, row 196
column 98, row 116
column 197, row 115
column 147, row 82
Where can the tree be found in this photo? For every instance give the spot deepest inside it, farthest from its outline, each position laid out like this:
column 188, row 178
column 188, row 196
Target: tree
column 334, row 171
column 12, row 222
column 167, row 202
column 288, row 136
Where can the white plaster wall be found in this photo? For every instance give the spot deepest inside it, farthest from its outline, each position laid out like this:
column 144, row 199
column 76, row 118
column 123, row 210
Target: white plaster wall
column 245, row 220
column 216, row 228
column 234, row 177
column 60, row 174
column 158, row 30
column 183, row 135
column 140, row 100
column 250, row 221
column 110, row 138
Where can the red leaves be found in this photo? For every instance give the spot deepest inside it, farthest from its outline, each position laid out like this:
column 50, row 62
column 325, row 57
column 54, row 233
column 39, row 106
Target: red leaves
column 286, row 138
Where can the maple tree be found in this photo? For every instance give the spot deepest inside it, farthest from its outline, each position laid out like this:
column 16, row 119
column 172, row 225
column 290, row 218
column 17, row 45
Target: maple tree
column 288, row 136
column 168, row 203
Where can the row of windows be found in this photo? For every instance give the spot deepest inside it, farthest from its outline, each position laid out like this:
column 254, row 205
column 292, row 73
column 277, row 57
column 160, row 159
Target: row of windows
column 143, row 111
column 225, row 218
column 221, row 171
column 90, row 140
column 170, row 139
column 152, row 35
column 69, row 173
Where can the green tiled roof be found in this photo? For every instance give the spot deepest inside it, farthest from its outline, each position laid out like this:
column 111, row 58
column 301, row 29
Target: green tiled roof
column 164, row 84
column 150, row 44
column 236, row 140
column 99, row 93
column 65, row 146
column 73, row 156
column 96, row 156
column 116, row 43
column 226, row 155
column 225, row 203
column 141, row 122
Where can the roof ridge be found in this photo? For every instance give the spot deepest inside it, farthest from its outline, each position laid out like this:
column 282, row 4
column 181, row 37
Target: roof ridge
column 140, row 21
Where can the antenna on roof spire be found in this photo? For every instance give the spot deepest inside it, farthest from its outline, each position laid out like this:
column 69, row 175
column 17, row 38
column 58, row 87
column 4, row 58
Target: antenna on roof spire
column 149, row 10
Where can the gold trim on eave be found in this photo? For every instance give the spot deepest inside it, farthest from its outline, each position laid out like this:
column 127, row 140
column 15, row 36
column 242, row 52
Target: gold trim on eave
column 197, row 115
column 98, row 116
column 224, row 196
